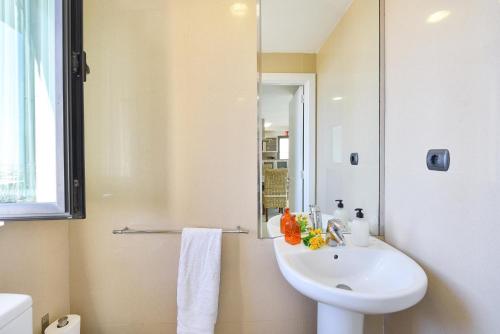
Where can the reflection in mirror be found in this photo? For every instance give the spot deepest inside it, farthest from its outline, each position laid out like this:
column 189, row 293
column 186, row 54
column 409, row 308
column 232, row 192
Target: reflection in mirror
column 319, row 110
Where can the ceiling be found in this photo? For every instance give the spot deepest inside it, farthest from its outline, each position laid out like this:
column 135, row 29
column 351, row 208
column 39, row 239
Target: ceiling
column 275, row 105
column 299, row 26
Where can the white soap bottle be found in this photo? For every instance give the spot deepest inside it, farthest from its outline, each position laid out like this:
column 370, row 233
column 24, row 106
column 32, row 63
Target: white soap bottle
column 341, row 215
column 360, row 230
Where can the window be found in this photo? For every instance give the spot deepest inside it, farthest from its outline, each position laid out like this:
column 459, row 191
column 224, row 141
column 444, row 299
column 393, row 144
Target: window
column 42, row 70
column 283, row 148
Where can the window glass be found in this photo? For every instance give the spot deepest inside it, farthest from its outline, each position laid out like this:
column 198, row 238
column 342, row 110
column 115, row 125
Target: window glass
column 31, row 105
column 283, row 148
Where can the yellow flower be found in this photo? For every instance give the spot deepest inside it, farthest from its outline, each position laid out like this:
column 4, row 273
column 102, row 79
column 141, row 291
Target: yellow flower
column 314, row 232
column 316, row 242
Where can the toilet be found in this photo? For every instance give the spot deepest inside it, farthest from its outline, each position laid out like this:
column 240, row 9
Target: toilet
column 16, row 314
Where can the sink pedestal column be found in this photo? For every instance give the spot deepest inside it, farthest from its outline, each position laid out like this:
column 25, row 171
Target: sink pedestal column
column 332, row 320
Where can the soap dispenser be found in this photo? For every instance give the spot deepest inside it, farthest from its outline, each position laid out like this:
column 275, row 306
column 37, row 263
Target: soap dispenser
column 360, row 229
column 341, row 216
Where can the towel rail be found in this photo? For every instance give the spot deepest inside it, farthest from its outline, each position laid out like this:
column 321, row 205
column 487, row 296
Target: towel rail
column 127, row 230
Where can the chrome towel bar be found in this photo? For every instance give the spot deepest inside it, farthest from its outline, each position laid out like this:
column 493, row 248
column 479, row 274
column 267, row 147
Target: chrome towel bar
column 127, row 230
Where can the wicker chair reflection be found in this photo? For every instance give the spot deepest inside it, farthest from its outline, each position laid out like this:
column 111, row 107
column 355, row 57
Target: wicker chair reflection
column 275, row 190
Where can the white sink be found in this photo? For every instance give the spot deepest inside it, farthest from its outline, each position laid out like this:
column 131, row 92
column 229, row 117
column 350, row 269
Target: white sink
column 382, row 279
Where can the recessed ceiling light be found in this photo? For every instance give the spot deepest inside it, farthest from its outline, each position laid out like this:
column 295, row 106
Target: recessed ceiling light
column 337, row 98
column 438, row 16
column 267, row 124
column 239, row 9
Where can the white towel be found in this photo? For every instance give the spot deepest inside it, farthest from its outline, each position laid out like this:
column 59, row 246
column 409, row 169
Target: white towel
column 198, row 280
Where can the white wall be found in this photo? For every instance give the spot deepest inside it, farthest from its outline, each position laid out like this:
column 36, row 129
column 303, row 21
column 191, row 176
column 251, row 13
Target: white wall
column 275, row 106
column 347, row 67
column 443, row 91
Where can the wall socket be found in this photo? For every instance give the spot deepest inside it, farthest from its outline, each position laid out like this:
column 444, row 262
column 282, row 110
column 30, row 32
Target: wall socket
column 45, row 322
column 354, row 158
column 438, row 160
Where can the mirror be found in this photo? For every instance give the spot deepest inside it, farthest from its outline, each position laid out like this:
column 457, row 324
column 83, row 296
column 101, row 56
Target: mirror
column 320, row 110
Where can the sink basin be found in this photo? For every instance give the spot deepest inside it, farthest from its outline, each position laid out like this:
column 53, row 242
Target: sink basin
column 348, row 282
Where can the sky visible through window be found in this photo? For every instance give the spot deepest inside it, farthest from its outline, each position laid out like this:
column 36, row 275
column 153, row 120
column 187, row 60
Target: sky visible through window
column 28, row 76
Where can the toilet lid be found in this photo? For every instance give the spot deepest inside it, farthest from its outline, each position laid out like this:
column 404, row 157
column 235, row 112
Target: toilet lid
column 12, row 306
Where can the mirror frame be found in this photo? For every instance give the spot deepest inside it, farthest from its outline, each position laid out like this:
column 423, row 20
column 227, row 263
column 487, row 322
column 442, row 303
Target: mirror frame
column 381, row 198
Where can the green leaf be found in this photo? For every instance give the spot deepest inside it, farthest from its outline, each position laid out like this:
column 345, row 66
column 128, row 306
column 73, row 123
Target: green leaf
column 307, row 240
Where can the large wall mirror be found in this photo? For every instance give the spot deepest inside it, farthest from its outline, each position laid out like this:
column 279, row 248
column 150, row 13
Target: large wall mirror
column 320, row 110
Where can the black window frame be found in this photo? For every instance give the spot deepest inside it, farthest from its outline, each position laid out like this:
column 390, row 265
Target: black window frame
column 75, row 74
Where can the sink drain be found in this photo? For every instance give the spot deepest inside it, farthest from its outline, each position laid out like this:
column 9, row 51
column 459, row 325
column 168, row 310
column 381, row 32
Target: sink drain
column 344, row 287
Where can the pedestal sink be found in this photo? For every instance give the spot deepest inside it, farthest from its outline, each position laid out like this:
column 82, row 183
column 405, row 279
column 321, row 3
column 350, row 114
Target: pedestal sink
column 349, row 282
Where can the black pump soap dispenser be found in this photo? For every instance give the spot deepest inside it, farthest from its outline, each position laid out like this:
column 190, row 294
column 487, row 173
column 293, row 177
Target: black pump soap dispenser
column 360, row 229
column 359, row 213
column 341, row 215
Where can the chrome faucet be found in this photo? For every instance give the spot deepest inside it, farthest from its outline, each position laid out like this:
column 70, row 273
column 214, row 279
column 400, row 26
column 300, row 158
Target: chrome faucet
column 315, row 216
column 334, row 234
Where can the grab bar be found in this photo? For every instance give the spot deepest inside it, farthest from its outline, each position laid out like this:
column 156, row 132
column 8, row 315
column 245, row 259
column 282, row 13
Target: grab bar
column 127, row 230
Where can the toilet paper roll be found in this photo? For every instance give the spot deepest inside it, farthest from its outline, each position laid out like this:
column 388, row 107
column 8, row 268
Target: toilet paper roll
column 69, row 324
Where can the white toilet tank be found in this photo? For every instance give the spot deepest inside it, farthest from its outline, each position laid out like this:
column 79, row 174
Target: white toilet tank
column 16, row 315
